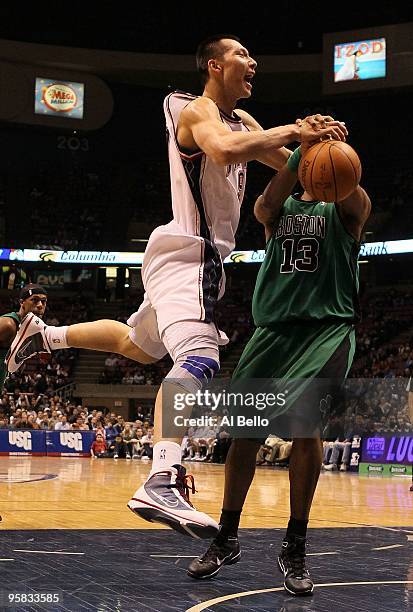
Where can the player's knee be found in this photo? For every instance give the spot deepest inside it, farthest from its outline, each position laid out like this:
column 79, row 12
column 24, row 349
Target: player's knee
column 202, row 367
column 193, row 370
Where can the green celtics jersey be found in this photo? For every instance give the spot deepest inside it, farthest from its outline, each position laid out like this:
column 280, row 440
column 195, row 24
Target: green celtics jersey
column 13, row 315
column 310, row 271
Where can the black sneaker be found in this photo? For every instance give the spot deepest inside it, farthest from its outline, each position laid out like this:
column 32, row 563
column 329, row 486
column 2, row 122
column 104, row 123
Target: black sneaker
column 215, row 557
column 291, row 562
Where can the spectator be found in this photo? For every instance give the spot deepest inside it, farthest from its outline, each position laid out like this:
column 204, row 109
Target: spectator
column 120, row 448
column 62, row 424
column 98, row 448
column 147, row 442
column 275, row 448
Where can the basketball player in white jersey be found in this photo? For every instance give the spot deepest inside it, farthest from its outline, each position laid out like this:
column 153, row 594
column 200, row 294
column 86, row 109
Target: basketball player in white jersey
column 209, row 146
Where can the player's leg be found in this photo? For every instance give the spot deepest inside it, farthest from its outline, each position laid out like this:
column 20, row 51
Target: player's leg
column 305, row 463
column 104, row 335
column 307, row 452
column 304, row 470
column 239, row 473
column 164, row 497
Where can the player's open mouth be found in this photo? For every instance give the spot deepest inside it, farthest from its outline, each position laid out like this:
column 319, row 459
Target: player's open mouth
column 248, row 80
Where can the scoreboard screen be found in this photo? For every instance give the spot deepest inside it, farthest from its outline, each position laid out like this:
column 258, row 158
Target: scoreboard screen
column 364, row 59
column 59, row 98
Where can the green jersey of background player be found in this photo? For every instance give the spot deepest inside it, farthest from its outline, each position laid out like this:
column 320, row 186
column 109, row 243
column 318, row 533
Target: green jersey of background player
column 305, row 305
column 33, row 298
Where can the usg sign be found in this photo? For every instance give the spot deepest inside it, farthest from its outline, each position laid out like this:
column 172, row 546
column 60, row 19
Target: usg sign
column 71, row 440
column 59, row 97
column 21, row 439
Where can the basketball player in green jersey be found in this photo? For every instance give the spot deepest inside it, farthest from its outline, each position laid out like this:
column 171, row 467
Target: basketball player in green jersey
column 33, row 298
column 305, row 305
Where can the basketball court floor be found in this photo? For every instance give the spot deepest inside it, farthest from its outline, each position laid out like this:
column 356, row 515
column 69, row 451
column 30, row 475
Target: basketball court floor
column 66, row 531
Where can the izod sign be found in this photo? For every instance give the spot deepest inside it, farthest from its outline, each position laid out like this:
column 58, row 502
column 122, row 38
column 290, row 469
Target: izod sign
column 59, row 97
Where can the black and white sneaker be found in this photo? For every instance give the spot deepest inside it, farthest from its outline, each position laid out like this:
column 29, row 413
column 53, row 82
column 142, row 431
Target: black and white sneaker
column 164, row 498
column 215, row 557
column 291, row 562
column 30, row 340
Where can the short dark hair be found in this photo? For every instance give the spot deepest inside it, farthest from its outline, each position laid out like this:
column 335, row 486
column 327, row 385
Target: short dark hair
column 209, row 49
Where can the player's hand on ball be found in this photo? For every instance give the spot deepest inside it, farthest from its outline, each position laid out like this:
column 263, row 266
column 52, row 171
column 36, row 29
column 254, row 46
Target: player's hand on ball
column 321, row 127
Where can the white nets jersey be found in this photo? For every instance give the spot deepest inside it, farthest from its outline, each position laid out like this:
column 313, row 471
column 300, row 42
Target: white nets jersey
column 206, row 198
column 182, row 270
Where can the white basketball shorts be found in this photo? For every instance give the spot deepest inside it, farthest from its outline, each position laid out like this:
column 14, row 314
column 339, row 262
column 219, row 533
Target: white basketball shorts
column 183, row 279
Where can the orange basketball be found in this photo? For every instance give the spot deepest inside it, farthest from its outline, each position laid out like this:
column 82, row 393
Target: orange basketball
column 330, row 171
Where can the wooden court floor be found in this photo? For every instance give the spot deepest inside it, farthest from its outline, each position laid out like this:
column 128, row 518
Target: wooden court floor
column 77, row 493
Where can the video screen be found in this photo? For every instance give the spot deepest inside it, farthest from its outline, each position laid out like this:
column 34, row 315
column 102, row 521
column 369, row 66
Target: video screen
column 64, row 98
column 365, row 59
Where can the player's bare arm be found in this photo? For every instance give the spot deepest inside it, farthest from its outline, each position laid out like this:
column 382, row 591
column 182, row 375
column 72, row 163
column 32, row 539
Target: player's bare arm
column 354, row 211
column 309, row 128
column 268, row 205
column 275, row 158
column 200, row 127
column 8, row 331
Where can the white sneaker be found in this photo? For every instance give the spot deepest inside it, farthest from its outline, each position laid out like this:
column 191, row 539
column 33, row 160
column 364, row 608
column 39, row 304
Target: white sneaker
column 128, row 456
column 343, row 467
column 331, row 466
column 164, row 498
column 29, row 340
column 116, row 456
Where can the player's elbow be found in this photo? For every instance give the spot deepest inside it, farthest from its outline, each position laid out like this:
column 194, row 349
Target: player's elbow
column 261, row 212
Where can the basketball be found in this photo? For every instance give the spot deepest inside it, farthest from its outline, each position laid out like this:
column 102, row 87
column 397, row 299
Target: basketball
column 330, row 171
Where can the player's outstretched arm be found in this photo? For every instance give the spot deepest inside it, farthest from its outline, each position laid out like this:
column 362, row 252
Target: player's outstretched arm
column 311, row 128
column 354, row 211
column 268, row 205
column 200, row 127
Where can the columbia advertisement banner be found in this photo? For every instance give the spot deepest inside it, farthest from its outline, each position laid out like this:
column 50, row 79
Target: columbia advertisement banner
column 22, row 442
column 40, row 443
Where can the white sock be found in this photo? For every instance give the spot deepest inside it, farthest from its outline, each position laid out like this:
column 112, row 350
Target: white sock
column 165, row 454
column 56, row 336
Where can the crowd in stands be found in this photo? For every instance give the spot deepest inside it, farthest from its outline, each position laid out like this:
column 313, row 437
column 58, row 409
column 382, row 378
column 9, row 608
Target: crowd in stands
column 67, row 209
column 120, row 370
